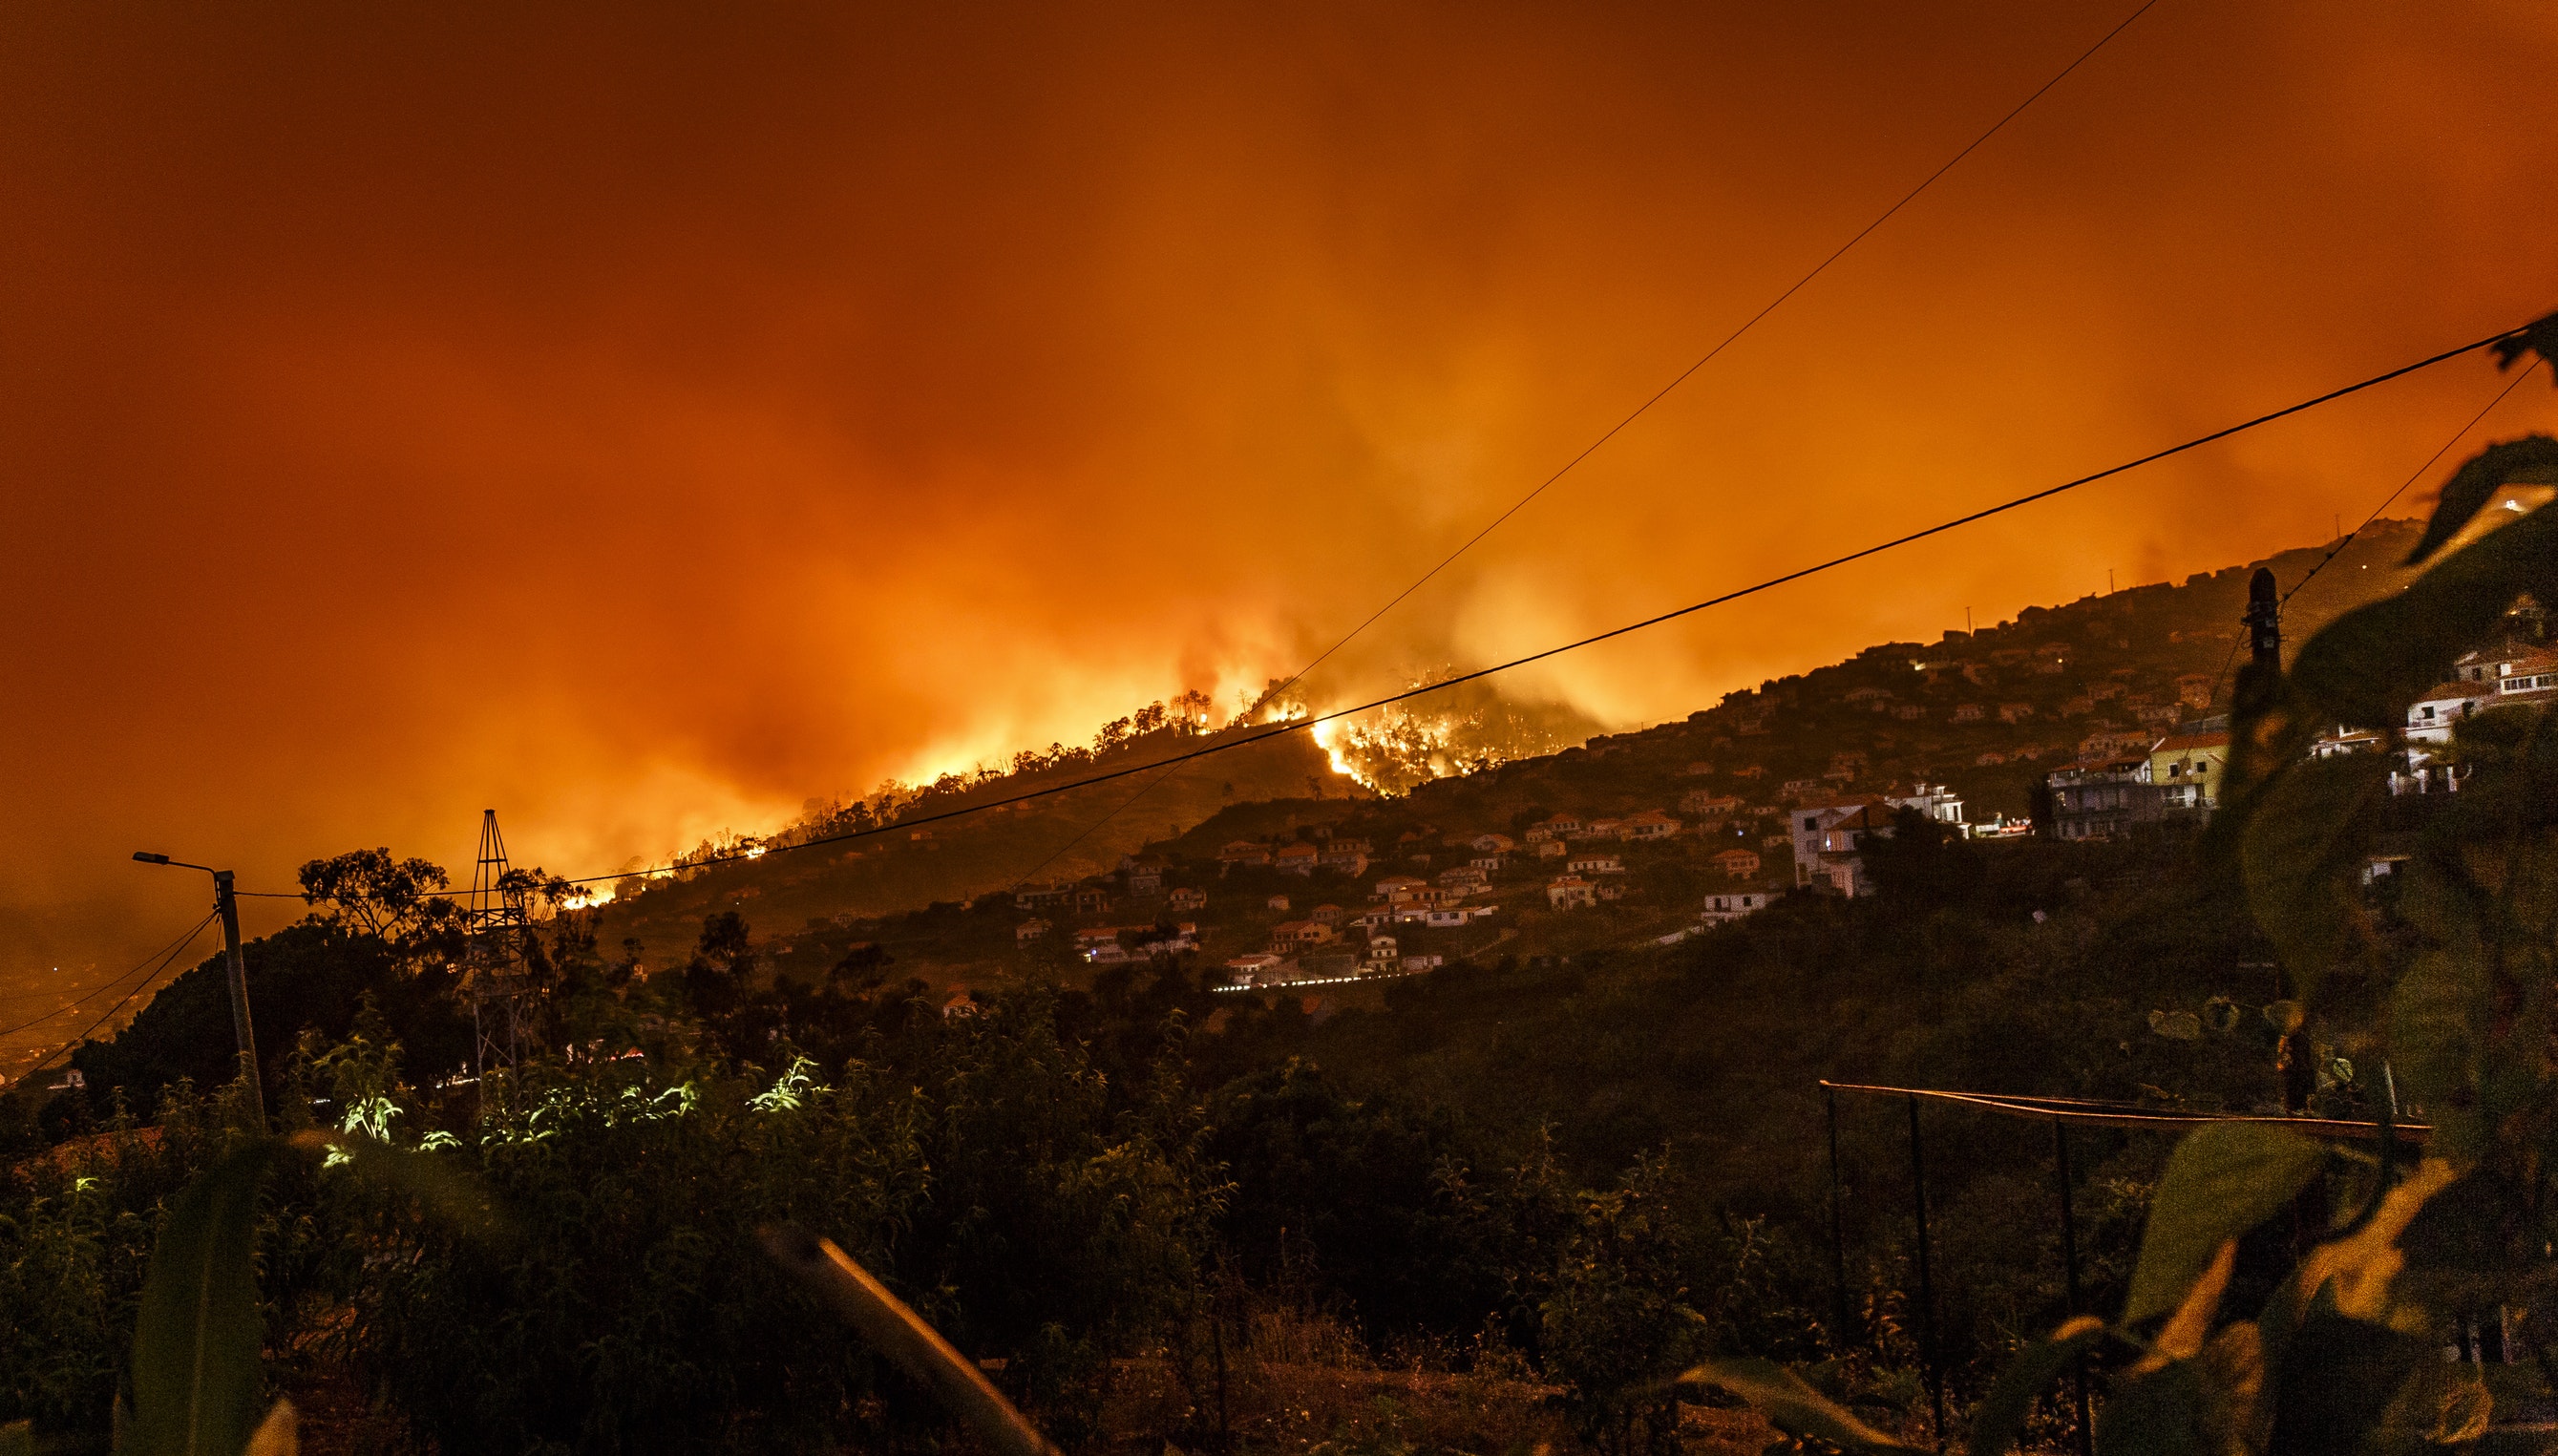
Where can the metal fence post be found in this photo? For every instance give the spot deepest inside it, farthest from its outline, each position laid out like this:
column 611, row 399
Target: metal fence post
column 1838, row 1234
column 1927, row 1357
column 2070, row 1262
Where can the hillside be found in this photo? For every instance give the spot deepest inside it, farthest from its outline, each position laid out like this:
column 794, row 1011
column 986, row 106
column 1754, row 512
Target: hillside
column 1984, row 714
column 1064, row 836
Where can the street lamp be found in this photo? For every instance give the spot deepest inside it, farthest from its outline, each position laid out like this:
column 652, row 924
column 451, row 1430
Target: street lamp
column 227, row 906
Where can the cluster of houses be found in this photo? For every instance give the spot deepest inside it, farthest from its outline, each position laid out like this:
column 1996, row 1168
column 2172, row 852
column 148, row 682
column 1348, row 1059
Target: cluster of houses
column 1828, row 839
column 1330, row 943
column 2118, row 783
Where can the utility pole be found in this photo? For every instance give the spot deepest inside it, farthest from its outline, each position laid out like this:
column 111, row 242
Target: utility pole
column 226, row 904
column 2263, row 618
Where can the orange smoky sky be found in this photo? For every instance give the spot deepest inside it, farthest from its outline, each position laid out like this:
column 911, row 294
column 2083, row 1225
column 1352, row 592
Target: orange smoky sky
column 642, row 418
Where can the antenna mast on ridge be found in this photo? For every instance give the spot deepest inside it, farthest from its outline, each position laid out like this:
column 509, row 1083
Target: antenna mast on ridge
column 494, row 975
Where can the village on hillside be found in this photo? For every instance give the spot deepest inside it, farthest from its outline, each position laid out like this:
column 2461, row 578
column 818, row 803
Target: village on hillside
column 2097, row 721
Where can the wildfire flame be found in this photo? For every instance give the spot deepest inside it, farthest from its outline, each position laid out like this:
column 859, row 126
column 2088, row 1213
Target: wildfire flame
column 1398, row 748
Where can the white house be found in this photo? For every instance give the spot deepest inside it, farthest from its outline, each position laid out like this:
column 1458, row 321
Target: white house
column 2430, row 718
column 1720, row 908
column 1570, row 892
column 1261, row 970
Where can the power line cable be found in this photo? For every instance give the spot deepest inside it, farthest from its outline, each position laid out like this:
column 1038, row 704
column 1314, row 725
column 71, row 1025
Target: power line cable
column 174, row 954
column 1729, row 339
column 1089, row 830
column 1296, row 725
column 2348, row 540
column 110, row 983
column 2386, row 502
column 1638, row 412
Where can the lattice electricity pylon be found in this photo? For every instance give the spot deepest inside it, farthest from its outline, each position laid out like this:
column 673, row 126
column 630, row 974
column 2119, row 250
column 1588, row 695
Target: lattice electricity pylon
column 495, row 976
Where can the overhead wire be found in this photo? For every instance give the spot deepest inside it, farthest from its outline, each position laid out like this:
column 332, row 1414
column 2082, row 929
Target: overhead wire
column 110, row 983
column 1639, row 411
column 165, row 961
column 1728, row 340
column 2418, row 474
column 1296, row 725
column 2386, row 502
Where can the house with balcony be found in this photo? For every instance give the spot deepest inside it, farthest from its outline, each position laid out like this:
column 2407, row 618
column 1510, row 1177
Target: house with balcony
column 1297, row 860
column 2186, row 768
column 2104, row 800
column 1738, row 864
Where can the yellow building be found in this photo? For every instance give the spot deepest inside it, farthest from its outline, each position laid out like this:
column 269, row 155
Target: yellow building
column 2187, row 766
